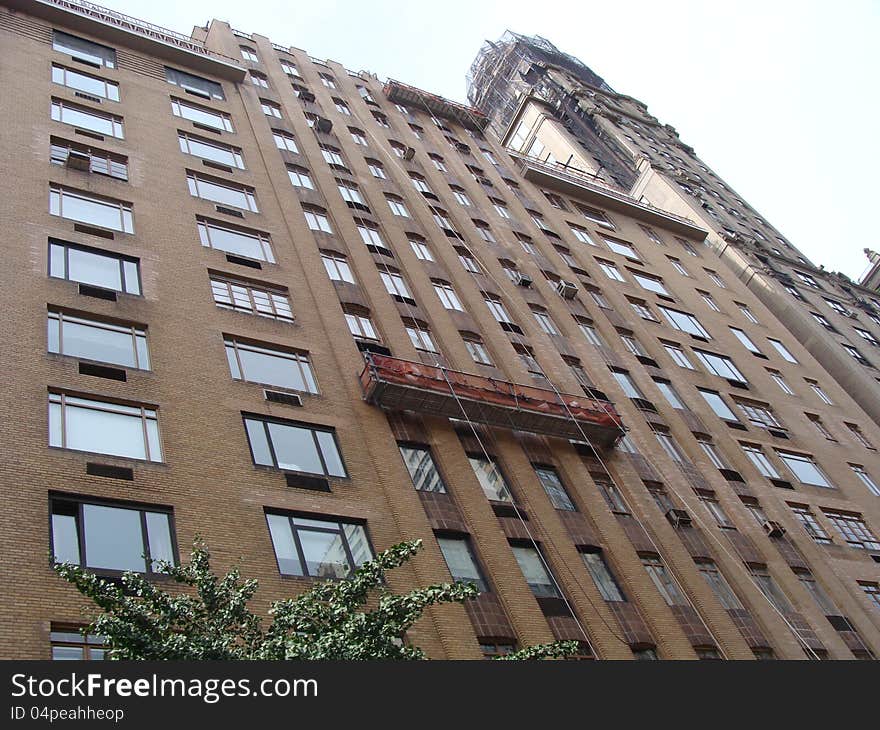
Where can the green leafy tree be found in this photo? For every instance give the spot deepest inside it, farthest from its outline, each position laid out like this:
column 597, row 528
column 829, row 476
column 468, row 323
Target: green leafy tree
column 211, row 620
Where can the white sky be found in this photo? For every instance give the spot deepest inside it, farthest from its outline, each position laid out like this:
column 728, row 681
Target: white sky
column 778, row 97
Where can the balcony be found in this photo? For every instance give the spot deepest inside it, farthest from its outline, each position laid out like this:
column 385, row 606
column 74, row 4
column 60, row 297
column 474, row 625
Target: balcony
column 404, row 385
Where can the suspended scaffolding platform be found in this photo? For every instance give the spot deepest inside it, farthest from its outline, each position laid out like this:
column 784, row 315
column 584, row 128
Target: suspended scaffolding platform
column 403, row 385
column 405, row 94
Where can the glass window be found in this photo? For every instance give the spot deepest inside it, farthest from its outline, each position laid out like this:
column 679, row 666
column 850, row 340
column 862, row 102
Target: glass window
column 611, row 271
column 555, row 489
column 782, row 350
column 744, row 339
column 624, row 249
column 196, row 84
column 759, row 459
column 421, row 249
column 300, row 177
column 325, row 548
column 663, row 581
column 244, row 297
column 651, row 283
column 111, row 537
column 477, row 349
column 243, row 242
column 85, row 82
column 420, row 336
column 542, row 317
column 85, row 118
column 209, row 150
column 79, row 206
column 685, row 322
column 626, row 384
column 101, row 162
column 249, row 54
column 535, row 571
column 80, row 48
column 720, row 587
column 94, row 267
column 872, row 591
column 422, row 469
column 225, row 194
column 720, row 365
column 270, row 109
column 491, row 479
column 679, row 356
column 866, row 479
column 612, row 496
column 447, row 295
column 461, row 562
column 72, row 645
column 812, row 526
column 780, row 381
column 337, row 267
column 394, row 284
column 270, row 366
column 805, row 469
column 369, row 233
column 853, row 529
column 93, row 339
column 294, row 447
column 202, row 115
column 285, row 141
column 669, row 393
column 104, row 427
column 669, row 445
column 360, row 325
column 603, row 577
column 768, row 587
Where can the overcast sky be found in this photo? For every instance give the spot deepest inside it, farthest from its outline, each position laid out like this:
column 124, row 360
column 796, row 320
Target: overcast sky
column 780, row 98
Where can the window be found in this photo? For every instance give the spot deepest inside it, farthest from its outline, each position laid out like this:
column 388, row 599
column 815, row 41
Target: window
column 780, row 381
column 438, row 162
column 326, row 548
column 816, row 388
column 720, row 587
column 460, row 560
column 770, row 590
column 624, row 249
column 872, row 591
column 866, row 479
column 337, row 267
column 100, row 161
column 285, row 141
column 589, row 331
column 420, row 336
column 498, row 310
column 611, row 271
column 837, row 307
column 251, row 299
column 270, row 108
column 210, row 150
column 759, row 459
column 224, row 193
column 685, row 322
column 632, row 344
column 820, row 427
column 663, row 581
column 747, row 313
column 612, row 496
column 317, row 220
column 101, row 536
column 597, row 216
column 93, row 339
column 759, row 415
column 202, row 115
column 824, row 322
column 744, row 339
column 421, row 249
column 86, row 118
column 376, row 169
column 468, row 262
column 535, row 571
column 805, row 469
column 720, row 365
column 852, row 529
column 545, row 322
column 87, row 83
column 195, row 84
column 527, row 355
column 867, row 336
column 83, row 50
column 447, row 295
column 300, row 177
column 602, row 576
column 381, row 120
column 328, row 81
column 476, row 348
column 70, row 644
column 96, row 268
column 104, row 427
column 668, row 444
column 651, row 234
column 269, row 366
column 491, row 479
column 494, row 649
column 555, row 489
column 856, row 355
column 527, row 244
column 717, row 280
column 858, row 435
column 358, row 135
column 360, row 325
column 341, row 107
column 678, row 355
column 484, row 231
column 350, row 194
column 83, row 207
column 294, row 446
column 806, row 279
column 651, row 283
column 240, row 241
column 626, row 383
column 581, row 234
column 249, row 54
column 781, row 349
column 717, row 404
column 397, row 206
column 422, row 469
column 500, row 208
column 259, row 79
column 641, row 308
column 676, row 264
column 289, row 68
column 814, row 529
column 669, row 393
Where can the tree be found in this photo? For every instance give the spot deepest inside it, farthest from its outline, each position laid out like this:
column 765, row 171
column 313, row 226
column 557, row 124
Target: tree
column 211, row 620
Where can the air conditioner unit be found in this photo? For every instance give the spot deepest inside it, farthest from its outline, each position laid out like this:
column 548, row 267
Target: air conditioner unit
column 679, row 518
column 523, row 280
column 409, row 153
column 566, row 289
column 773, row 529
column 79, row 160
column 324, row 125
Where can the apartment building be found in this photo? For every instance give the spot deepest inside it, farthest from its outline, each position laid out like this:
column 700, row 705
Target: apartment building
column 547, row 104
column 307, row 314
